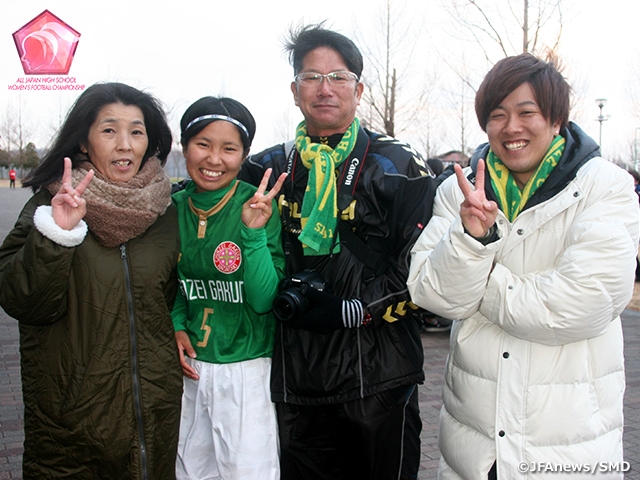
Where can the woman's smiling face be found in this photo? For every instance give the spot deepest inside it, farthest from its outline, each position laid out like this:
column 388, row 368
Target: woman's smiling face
column 117, row 141
column 214, row 156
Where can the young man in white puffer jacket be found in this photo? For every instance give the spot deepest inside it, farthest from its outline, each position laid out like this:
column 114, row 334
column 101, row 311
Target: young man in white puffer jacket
column 537, row 262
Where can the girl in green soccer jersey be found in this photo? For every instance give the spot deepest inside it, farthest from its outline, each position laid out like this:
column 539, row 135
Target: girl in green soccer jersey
column 230, row 264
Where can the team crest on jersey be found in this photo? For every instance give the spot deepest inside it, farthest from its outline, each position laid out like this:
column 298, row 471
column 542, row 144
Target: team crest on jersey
column 227, row 257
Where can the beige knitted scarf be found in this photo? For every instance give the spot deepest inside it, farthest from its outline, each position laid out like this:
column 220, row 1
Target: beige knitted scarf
column 120, row 211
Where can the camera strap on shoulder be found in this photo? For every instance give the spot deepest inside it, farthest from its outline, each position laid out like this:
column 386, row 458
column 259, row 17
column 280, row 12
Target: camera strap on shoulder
column 374, row 263
column 289, row 152
column 352, row 169
column 350, row 173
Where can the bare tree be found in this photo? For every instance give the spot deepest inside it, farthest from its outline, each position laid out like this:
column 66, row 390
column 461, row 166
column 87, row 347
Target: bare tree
column 6, row 130
column 459, row 115
column 176, row 164
column 488, row 30
column 632, row 93
column 16, row 131
column 493, row 29
column 508, row 27
column 392, row 103
column 56, row 118
column 284, row 125
column 429, row 134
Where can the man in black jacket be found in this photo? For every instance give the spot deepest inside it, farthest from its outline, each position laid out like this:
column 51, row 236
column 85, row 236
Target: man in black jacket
column 348, row 355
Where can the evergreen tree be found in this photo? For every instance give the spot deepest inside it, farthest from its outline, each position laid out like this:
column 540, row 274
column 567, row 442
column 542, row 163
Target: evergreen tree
column 30, row 158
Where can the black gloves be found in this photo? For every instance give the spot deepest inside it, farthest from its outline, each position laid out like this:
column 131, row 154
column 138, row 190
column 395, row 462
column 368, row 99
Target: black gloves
column 327, row 313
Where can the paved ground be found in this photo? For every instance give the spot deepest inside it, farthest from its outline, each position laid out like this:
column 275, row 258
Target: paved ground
column 435, row 349
column 11, row 415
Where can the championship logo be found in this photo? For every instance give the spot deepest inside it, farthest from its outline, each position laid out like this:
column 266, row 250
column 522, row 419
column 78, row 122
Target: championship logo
column 227, row 257
column 46, row 45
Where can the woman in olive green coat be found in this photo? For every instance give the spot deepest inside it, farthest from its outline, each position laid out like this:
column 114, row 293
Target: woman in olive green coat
column 88, row 271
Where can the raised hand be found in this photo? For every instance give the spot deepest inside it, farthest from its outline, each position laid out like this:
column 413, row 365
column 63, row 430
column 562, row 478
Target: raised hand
column 477, row 213
column 67, row 206
column 257, row 210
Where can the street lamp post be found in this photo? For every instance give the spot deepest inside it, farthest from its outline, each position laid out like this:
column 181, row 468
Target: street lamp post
column 601, row 102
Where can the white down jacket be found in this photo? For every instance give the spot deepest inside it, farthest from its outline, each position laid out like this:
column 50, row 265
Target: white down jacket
column 535, row 374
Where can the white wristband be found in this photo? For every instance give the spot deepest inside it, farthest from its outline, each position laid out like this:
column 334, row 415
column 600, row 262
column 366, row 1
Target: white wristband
column 352, row 313
column 46, row 225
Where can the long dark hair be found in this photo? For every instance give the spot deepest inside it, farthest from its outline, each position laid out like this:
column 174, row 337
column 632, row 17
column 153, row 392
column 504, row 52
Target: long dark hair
column 75, row 130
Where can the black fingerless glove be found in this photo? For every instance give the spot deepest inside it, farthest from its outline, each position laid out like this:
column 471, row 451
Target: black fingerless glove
column 328, row 313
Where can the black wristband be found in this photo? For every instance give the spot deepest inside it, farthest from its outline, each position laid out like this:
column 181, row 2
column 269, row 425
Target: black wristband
column 491, row 236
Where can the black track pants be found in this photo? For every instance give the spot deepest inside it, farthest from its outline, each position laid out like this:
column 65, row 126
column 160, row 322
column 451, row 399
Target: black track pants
column 361, row 439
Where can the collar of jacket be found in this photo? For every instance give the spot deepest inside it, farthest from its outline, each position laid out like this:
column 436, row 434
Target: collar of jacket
column 579, row 149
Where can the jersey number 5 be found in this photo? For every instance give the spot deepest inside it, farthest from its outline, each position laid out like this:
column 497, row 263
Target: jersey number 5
column 205, row 327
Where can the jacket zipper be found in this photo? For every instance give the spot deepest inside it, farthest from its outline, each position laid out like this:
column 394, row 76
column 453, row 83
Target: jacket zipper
column 284, row 367
column 134, row 364
column 360, row 374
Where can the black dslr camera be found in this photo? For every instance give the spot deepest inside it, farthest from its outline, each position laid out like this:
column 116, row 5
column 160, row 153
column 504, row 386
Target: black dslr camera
column 292, row 302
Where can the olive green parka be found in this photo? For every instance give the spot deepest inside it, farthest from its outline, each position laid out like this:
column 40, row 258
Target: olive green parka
column 101, row 377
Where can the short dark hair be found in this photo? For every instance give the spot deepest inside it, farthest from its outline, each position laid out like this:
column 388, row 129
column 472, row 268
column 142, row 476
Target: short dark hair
column 216, row 106
column 436, row 165
column 550, row 88
column 635, row 175
column 305, row 39
column 75, row 130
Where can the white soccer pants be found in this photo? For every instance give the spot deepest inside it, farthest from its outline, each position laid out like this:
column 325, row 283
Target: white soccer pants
column 228, row 428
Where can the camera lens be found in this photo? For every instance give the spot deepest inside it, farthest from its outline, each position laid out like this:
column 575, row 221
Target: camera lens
column 289, row 304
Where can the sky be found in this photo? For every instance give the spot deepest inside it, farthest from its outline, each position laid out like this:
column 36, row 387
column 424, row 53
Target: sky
column 181, row 51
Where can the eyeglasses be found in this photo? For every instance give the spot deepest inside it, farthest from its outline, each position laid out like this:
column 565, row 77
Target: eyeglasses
column 337, row 79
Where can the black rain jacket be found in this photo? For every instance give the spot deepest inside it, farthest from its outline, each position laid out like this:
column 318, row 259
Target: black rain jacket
column 391, row 201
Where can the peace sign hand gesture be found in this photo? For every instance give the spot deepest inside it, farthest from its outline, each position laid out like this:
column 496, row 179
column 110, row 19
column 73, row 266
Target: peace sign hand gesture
column 67, row 206
column 476, row 212
column 257, row 210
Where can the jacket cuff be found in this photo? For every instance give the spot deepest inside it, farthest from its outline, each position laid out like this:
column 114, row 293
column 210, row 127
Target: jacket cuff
column 490, row 237
column 253, row 237
column 43, row 220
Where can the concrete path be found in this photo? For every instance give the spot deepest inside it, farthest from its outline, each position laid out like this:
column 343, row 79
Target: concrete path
column 436, row 346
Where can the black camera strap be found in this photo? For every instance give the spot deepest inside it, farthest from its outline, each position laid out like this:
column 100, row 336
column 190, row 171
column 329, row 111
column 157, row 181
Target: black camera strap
column 374, row 263
column 352, row 169
column 350, row 173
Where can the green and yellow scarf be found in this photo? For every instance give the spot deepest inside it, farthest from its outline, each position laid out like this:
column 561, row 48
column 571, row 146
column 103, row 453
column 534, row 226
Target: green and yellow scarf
column 511, row 199
column 319, row 216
